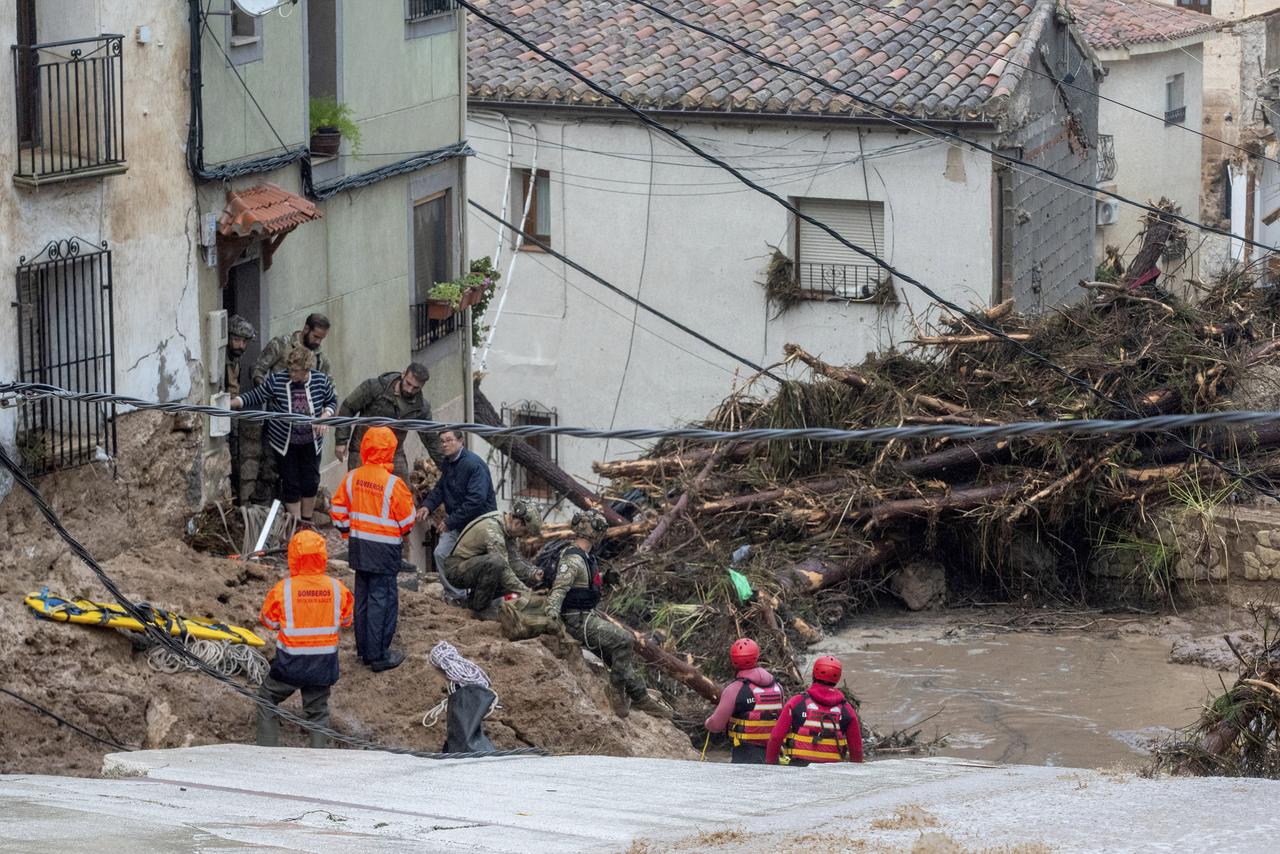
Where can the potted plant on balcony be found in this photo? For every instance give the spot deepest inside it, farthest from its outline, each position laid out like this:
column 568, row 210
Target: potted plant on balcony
column 444, row 299
column 331, row 122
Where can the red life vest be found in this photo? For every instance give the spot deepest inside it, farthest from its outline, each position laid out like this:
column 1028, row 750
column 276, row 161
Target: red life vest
column 754, row 713
column 817, row 732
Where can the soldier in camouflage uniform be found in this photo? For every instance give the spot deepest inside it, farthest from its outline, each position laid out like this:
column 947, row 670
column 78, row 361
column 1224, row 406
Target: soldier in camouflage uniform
column 487, row 559
column 239, row 333
column 575, row 592
column 261, row 482
column 391, row 395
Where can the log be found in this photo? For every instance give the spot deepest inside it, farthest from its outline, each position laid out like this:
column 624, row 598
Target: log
column 813, row 574
column 537, row 462
column 993, row 313
column 960, row 457
column 753, row 499
column 679, row 667
column 959, row 499
column 978, row 338
column 664, row 524
column 937, row 404
column 554, row 532
column 851, row 378
column 1219, row 443
column 1159, row 229
column 662, row 465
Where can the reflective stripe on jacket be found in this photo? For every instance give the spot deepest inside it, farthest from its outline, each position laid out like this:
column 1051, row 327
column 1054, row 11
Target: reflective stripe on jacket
column 819, row 734
column 373, row 510
column 307, row 611
column 754, row 713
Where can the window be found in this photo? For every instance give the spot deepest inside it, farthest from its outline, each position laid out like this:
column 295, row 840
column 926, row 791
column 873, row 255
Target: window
column 1203, row 6
column 826, row 268
column 1273, row 43
column 417, row 10
column 64, row 338
column 522, row 482
column 538, row 222
column 430, row 265
column 429, row 17
column 1175, row 109
column 322, row 50
column 244, row 35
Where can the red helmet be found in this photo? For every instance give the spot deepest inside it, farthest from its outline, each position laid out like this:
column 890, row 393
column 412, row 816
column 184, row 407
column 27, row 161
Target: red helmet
column 744, row 653
column 827, row 669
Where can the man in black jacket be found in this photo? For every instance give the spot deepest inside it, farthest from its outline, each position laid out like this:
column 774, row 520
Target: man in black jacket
column 464, row 488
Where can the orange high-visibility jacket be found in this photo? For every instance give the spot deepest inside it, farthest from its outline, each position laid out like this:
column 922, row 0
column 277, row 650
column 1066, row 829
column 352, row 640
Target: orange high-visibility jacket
column 373, row 509
column 306, row 610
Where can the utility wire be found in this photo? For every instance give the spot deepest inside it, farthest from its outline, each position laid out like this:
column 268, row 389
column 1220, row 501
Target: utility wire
column 959, row 42
column 904, row 120
column 956, row 432
column 114, row 745
column 162, row 637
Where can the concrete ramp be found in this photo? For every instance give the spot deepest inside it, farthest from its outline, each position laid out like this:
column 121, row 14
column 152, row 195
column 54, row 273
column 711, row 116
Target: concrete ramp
column 240, row 798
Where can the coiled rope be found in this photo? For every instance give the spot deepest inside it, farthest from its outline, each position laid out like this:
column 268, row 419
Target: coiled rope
column 460, row 671
column 227, row 659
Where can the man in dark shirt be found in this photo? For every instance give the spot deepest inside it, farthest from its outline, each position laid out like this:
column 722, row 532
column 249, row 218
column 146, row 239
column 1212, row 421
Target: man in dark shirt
column 464, row 488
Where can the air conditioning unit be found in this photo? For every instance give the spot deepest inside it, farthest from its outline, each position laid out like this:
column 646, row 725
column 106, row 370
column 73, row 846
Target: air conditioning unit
column 1108, row 211
column 215, row 345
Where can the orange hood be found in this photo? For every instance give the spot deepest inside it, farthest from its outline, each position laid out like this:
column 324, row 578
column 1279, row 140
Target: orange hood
column 308, row 554
column 378, row 447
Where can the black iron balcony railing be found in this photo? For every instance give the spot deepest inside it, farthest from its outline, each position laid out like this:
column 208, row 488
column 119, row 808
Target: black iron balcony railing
column 845, row 281
column 1175, row 117
column 426, row 330
column 1106, row 157
column 416, row 10
column 70, row 109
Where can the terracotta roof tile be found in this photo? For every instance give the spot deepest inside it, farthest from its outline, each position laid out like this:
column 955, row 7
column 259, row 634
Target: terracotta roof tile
column 915, row 65
column 1117, row 23
column 264, row 210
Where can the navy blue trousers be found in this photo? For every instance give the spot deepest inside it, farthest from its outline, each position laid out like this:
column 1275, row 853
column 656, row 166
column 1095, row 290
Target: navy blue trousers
column 377, row 607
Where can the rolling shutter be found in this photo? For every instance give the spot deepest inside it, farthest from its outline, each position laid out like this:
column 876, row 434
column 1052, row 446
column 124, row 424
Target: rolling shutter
column 824, row 263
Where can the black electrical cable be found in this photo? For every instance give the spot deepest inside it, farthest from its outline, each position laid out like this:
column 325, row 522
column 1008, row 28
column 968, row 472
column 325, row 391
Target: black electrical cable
column 922, row 126
column 163, row 638
column 628, row 297
column 977, row 321
column 114, row 745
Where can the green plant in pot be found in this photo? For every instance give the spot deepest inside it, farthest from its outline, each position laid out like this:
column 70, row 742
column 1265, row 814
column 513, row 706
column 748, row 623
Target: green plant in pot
column 444, row 299
column 331, row 122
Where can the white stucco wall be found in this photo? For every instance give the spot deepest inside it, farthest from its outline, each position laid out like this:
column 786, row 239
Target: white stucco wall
column 1152, row 159
column 696, row 248
column 145, row 215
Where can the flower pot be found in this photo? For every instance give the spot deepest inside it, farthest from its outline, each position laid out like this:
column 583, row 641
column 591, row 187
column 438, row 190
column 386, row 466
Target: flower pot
column 326, row 142
column 471, row 297
column 439, row 309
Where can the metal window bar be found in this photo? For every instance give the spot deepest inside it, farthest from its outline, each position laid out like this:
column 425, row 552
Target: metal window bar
column 515, row 480
column 840, row 281
column 416, row 10
column 1175, row 117
column 69, row 97
column 427, row 331
column 66, row 337
column 1106, row 157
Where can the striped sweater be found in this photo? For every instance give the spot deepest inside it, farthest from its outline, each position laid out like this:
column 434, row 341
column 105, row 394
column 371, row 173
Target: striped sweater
column 274, row 395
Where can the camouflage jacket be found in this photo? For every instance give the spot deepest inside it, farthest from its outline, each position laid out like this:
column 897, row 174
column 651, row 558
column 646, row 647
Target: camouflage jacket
column 232, row 380
column 572, row 572
column 487, row 535
column 273, row 357
column 378, row 397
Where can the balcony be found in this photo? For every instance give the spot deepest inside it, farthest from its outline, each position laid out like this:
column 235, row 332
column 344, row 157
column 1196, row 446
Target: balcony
column 426, row 330
column 840, row 281
column 1106, row 157
column 418, row 10
column 1176, row 116
column 69, row 97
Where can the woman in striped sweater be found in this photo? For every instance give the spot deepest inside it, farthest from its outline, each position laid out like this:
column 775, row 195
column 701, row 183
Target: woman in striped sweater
column 302, row 390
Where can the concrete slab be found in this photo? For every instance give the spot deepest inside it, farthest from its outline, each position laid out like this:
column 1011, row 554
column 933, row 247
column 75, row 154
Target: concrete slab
column 240, row 798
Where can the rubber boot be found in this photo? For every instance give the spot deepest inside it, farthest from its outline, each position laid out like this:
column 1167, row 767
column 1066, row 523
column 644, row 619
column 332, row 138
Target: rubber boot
column 394, row 659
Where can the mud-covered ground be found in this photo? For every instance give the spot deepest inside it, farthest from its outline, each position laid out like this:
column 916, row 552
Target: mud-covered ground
column 550, row 695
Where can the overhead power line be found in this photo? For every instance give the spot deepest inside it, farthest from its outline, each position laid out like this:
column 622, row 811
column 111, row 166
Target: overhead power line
column 910, row 122
column 974, row 319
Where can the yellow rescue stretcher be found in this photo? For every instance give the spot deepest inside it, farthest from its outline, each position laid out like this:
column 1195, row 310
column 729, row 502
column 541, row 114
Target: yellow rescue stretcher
column 50, row 607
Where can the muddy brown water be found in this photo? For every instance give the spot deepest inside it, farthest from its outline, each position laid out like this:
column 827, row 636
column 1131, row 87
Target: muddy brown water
column 1072, row 700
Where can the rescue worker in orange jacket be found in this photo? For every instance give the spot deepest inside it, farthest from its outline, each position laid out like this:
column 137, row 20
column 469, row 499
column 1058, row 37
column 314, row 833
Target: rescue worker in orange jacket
column 306, row 610
column 817, row 725
column 749, row 705
column 373, row 510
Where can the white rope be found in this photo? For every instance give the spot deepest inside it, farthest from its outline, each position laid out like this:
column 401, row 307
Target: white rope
column 459, row 671
column 227, row 659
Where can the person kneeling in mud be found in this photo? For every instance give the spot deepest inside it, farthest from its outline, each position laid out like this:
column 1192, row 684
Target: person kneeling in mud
column 575, row 592
column 486, row 559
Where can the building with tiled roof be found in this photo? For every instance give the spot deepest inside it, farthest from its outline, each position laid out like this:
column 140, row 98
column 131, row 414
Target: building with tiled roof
column 1117, row 24
column 938, row 59
column 589, row 181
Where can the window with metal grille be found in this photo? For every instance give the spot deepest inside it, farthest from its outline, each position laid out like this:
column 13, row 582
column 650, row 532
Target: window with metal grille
column 1175, row 107
column 826, row 268
column 538, row 222
column 431, row 217
column 66, row 339
column 1203, row 6
column 416, row 10
column 518, row 481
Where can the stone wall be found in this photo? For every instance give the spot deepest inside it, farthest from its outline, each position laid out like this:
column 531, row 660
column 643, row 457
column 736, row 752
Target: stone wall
column 1233, row 542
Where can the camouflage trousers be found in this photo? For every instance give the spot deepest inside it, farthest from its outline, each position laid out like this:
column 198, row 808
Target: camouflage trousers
column 614, row 644
column 487, row 576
